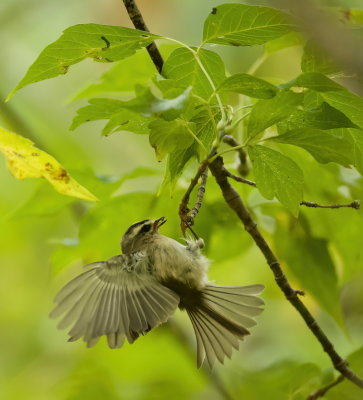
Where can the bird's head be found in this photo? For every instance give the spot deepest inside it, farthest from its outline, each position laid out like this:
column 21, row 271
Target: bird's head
column 138, row 235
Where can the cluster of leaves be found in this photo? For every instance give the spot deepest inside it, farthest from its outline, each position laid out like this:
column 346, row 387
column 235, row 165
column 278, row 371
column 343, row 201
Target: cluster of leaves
column 180, row 112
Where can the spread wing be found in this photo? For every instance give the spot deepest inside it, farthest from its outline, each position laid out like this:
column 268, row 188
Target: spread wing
column 118, row 297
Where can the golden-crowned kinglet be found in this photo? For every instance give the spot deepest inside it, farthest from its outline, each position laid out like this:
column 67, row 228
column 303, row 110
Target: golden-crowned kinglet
column 129, row 294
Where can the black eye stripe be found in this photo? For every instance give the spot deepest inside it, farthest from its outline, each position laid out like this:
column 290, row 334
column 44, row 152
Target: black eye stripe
column 145, row 228
column 134, row 225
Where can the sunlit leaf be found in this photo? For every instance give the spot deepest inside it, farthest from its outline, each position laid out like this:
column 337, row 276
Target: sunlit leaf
column 167, row 136
column 244, row 25
column 102, row 43
column 277, row 176
column 183, row 67
column 268, row 112
column 248, row 85
column 25, row 160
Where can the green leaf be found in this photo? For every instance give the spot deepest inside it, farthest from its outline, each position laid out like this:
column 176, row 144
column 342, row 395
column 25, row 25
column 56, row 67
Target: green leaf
column 289, row 40
column 205, row 130
column 124, row 75
column 95, row 110
column 325, row 146
column 249, row 86
column 322, row 117
column 132, row 115
column 348, row 103
column 102, row 43
column 309, row 260
column 126, row 120
column 277, row 176
column 24, row 160
column 183, row 67
column 316, row 81
column 345, row 390
column 334, row 94
column 243, row 25
column 356, row 137
column 268, row 112
column 313, row 60
column 167, row 136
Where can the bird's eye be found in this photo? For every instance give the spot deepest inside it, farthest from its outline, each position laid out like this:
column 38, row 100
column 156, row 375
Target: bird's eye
column 145, row 228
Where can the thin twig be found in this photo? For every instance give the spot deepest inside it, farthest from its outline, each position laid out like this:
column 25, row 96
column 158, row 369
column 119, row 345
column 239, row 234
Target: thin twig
column 354, row 204
column 139, row 23
column 321, row 392
column 186, row 219
column 234, row 200
column 200, row 195
column 243, row 168
column 240, row 179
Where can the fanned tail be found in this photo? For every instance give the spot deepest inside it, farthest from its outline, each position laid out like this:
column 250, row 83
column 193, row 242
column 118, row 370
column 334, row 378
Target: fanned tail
column 222, row 318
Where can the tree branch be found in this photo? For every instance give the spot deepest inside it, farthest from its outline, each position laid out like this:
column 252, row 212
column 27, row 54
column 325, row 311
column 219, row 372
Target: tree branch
column 139, row 23
column 321, row 392
column 234, row 201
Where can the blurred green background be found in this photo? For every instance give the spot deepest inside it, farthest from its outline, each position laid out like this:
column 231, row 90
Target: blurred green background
column 46, row 237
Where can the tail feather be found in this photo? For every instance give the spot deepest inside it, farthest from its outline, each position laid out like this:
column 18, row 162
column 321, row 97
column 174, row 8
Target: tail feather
column 221, row 319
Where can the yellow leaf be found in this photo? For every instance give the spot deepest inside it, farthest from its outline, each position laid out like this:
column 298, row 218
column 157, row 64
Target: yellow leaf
column 24, row 160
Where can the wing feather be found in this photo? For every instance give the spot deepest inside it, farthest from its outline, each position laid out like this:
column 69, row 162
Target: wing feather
column 112, row 299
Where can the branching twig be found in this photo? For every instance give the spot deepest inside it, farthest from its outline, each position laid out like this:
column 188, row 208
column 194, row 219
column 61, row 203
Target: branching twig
column 354, row 204
column 234, row 200
column 321, row 392
column 139, row 23
column 243, row 168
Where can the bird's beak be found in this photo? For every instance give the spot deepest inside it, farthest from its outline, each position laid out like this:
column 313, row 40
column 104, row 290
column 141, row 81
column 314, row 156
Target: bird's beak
column 158, row 222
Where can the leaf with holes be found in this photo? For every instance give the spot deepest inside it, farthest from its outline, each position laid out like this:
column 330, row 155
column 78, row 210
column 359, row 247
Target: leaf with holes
column 244, row 25
column 277, row 176
column 103, row 43
column 248, row 85
column 24, row 160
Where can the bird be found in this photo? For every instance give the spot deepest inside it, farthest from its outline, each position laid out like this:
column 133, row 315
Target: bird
column 131, row 293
